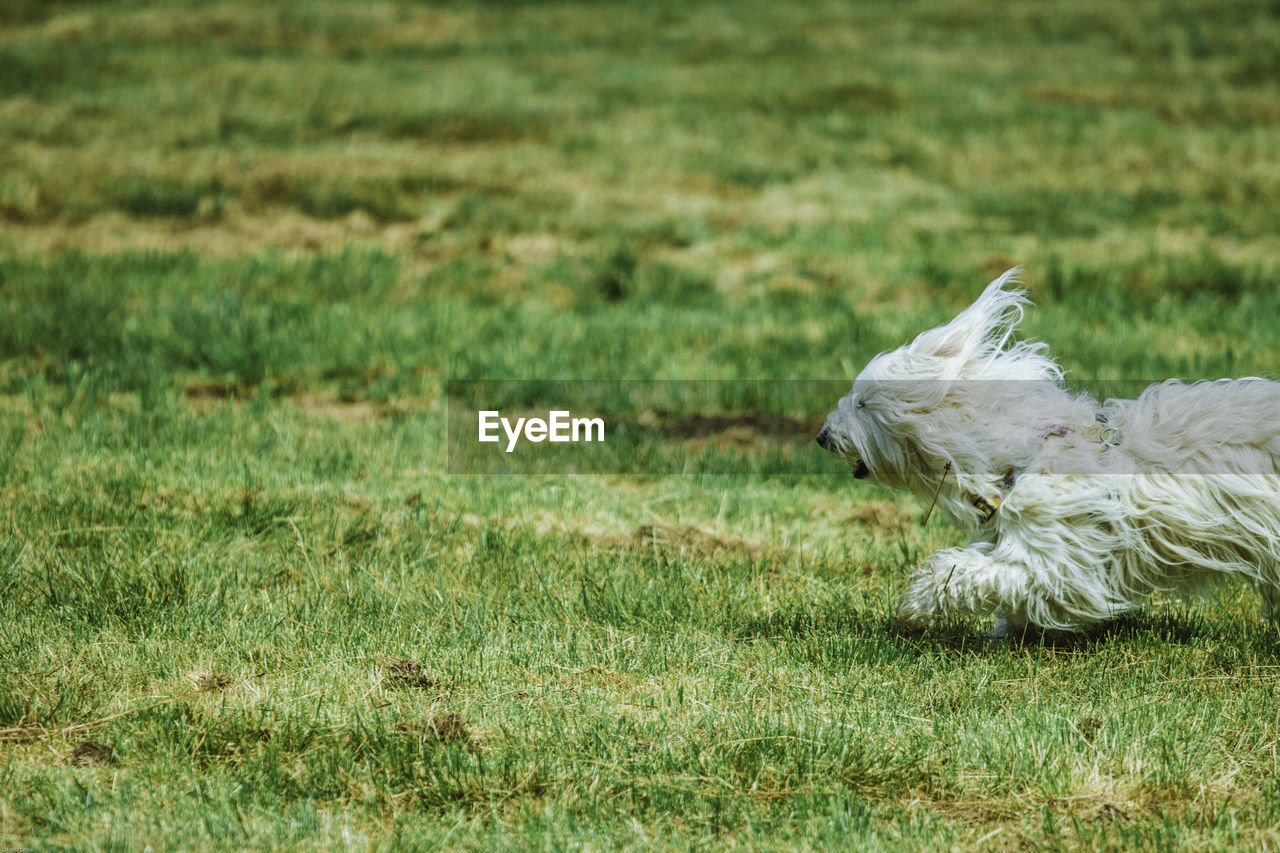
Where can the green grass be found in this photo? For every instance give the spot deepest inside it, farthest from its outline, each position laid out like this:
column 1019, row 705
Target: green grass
column 245, row 247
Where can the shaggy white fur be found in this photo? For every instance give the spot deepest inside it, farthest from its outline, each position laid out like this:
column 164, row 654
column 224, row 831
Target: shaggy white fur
column 1080, row 510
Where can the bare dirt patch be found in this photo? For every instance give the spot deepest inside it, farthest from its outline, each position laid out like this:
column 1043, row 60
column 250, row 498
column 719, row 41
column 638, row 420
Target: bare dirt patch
column 210, row 681
column 754, row 424
column 449, row 727
column 203, row 396
column 91, row 754
column 406, row 672
column 747, row 431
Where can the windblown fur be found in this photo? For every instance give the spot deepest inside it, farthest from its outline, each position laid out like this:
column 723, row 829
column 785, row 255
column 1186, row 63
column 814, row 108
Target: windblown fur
column 1079, row 510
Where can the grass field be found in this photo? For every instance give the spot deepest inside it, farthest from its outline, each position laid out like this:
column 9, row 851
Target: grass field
column 244, row 246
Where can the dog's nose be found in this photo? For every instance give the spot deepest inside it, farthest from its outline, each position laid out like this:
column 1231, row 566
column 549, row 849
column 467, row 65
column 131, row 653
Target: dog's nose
column 823, row 438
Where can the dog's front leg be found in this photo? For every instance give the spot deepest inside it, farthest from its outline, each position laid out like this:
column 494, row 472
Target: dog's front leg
column 965, row 580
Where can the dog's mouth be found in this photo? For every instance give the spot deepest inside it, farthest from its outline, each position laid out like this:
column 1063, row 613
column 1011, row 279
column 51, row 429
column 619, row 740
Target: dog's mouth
column 859, row 468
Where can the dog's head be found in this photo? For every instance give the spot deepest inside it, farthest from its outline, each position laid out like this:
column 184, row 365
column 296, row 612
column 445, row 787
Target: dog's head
column 945, row 399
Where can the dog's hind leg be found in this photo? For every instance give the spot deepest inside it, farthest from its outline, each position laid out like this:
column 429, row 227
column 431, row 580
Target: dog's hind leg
column 1009, row 626
column 964, row 580
column 1270, row 608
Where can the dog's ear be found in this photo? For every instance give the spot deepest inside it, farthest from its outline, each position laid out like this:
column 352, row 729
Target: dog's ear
column 978, row 332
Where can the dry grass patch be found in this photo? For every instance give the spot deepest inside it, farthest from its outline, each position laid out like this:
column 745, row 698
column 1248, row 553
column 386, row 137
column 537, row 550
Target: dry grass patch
column 449, row 727
column 343, row 411
column 878, row 515
column 406, row 672
column 210, row 681
column 91, row 754
column 686, row 537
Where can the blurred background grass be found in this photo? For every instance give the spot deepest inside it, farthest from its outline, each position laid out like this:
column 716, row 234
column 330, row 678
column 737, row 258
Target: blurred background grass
column 770, row 190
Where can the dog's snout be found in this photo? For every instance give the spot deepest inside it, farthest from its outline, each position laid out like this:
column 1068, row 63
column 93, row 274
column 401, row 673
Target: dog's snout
column 824, row 438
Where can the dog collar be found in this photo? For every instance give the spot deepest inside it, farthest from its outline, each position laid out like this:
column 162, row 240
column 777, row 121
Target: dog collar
column 988, row 504
column 1099, row 431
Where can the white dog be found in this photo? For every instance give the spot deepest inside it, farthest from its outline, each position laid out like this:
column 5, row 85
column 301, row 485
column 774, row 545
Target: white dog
column 1079, row 510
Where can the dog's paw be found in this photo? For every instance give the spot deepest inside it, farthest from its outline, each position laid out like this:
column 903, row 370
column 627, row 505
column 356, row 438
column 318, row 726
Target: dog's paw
column 1006, row 628
column 915, row 621
column 998, row 631
column 921, row 606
